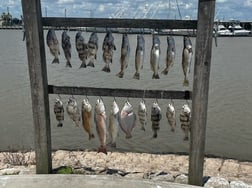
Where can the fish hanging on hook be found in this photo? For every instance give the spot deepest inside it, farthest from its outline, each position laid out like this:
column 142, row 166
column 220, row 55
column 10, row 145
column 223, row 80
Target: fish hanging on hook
column 139, row 56
column 171, row 116
column 155, row 56
column 59, row 111
column 92, row 49
column 53, row 44
column 108, row 48
column 170, row 54
column 86, row 112
column 156, row 116
column 185, row 119
column 82, row 48
column 187, row 59
column 142, row 114
column 66, row 46
column 114, row 121
column 73, row 111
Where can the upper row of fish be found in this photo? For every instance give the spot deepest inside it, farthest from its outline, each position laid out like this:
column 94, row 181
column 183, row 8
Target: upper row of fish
column 87, row 52
column 125, row 119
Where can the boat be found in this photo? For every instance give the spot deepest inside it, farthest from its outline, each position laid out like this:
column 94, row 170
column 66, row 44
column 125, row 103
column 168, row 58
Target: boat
column 223, row 31
column 237, row 30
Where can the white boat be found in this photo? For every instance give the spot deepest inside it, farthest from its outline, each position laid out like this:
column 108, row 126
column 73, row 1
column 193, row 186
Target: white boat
column 237, row 30
column 223, row 31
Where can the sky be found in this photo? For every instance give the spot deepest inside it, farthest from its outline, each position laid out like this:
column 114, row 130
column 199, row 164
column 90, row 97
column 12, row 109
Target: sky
column 155, row 9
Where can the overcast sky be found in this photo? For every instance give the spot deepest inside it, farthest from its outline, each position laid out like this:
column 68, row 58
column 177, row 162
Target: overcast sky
column 157, row 9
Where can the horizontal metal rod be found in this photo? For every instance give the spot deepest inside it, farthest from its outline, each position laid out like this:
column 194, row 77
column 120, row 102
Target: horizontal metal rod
column 119, row 23
column 115, row 92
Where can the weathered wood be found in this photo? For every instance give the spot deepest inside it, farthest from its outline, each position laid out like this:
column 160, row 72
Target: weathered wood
column 38, row 82
column 206, row 9
column 111, row 92
column 119, row 23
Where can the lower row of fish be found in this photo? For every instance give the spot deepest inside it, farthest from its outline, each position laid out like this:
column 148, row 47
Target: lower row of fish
column 87, row 52
column 126, row 119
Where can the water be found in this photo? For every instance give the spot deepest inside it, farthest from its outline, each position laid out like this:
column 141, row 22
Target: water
column 229, row 128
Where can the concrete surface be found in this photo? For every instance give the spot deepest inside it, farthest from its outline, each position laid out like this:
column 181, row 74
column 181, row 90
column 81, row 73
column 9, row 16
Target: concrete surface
column 80, row 181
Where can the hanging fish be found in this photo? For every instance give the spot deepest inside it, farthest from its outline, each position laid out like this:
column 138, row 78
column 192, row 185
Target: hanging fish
column 155, row 56
column 108, row 47
column 66, row 45
column 113, row 123
column 139, row 57
column 92, row 49
column 127, row 119
column 125, row 52
column 81, row 48
column 53, row 44
column 142, row 114
column 187, row 59
column 73, row 111
column 171, row 116
column 156, row 116
column 170, row 54
column 86, row 111
column 185, row 118
column 100, row 121
column 59, row 112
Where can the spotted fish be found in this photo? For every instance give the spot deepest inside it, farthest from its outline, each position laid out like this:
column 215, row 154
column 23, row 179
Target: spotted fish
column 82, row 48
column 156, row 116
column 66, row 46
column 185, row 118
column 92, row 49
column 142, row 114
column 73, row 111
column 53, row 44
column 108, row 48
column 59, row 112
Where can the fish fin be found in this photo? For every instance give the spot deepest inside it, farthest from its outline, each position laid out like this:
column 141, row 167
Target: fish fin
column 91, row 64
column 120, row 74
column 68, row 64
column 83, row 65
column 91, row 136
column 106, row 68
column 60, row 125
column 186, row 82
column 165, row 71
column 128, row 136
column 102, row 149
column 55, row 60
column 136, row 76
column 155, row 76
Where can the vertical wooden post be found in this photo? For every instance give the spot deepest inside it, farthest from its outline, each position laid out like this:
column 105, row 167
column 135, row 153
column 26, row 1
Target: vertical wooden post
column 38, row 82
column 206, row 9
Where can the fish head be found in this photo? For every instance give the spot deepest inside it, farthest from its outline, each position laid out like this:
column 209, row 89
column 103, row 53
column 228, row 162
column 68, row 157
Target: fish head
column 78, row 36
column 99, row 106
column 155, row 109
column 86, row 105
column 58, row 102
column 171, row 108
column 142, row 106
column 114, row 108
column 187, row 42
column 186, row 109
column 127, row 107
column 72, row 101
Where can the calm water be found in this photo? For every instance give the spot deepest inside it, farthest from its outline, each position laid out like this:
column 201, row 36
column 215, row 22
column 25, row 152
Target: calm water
column 229, row 127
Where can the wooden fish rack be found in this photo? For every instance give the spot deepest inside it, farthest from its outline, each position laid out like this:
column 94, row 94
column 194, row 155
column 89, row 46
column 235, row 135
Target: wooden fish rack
column 40, row 90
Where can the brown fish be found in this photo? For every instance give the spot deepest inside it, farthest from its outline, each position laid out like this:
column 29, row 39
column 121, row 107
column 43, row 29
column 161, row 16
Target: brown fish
column 86, row 115
column 100, row 121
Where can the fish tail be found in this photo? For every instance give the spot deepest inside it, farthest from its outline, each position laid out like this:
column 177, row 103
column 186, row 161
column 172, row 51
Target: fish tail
column 165, row 71
column 60, row 124
column 83, row 64
column 120, row 74
column 128, row 136
column 186, row 138
column 106, row 68
column 186, row 82
column 155, row 134
column 102, row 149
column 91, row 63
column 172, row 129
column 155, row 76
column 136, row 76
column 68, row 64
column 91, row 136
column 55, row 60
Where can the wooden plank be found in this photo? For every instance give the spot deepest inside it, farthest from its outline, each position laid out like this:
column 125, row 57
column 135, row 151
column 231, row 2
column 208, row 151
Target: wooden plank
column 38, row 82
column 112, row 92
column 119, row 23
column 203, row 52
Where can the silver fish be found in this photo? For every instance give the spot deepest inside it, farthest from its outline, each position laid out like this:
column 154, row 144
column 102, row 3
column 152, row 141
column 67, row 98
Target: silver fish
column 170, row 54
column 86, row 111
column 100, row 121
column 66, row 45
column 187, row 59
column 82, row 49
column 171, row 116
column 59, row 112
column 125, row 53
column 108, row 47
column 139, row 56
column 127, row 119
column 92, row 49
column 142, row 114
column 113, row 123
column 154, row 56
column 185, row 118
column 53, row 44
column 156, row 116
column 73, row 111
